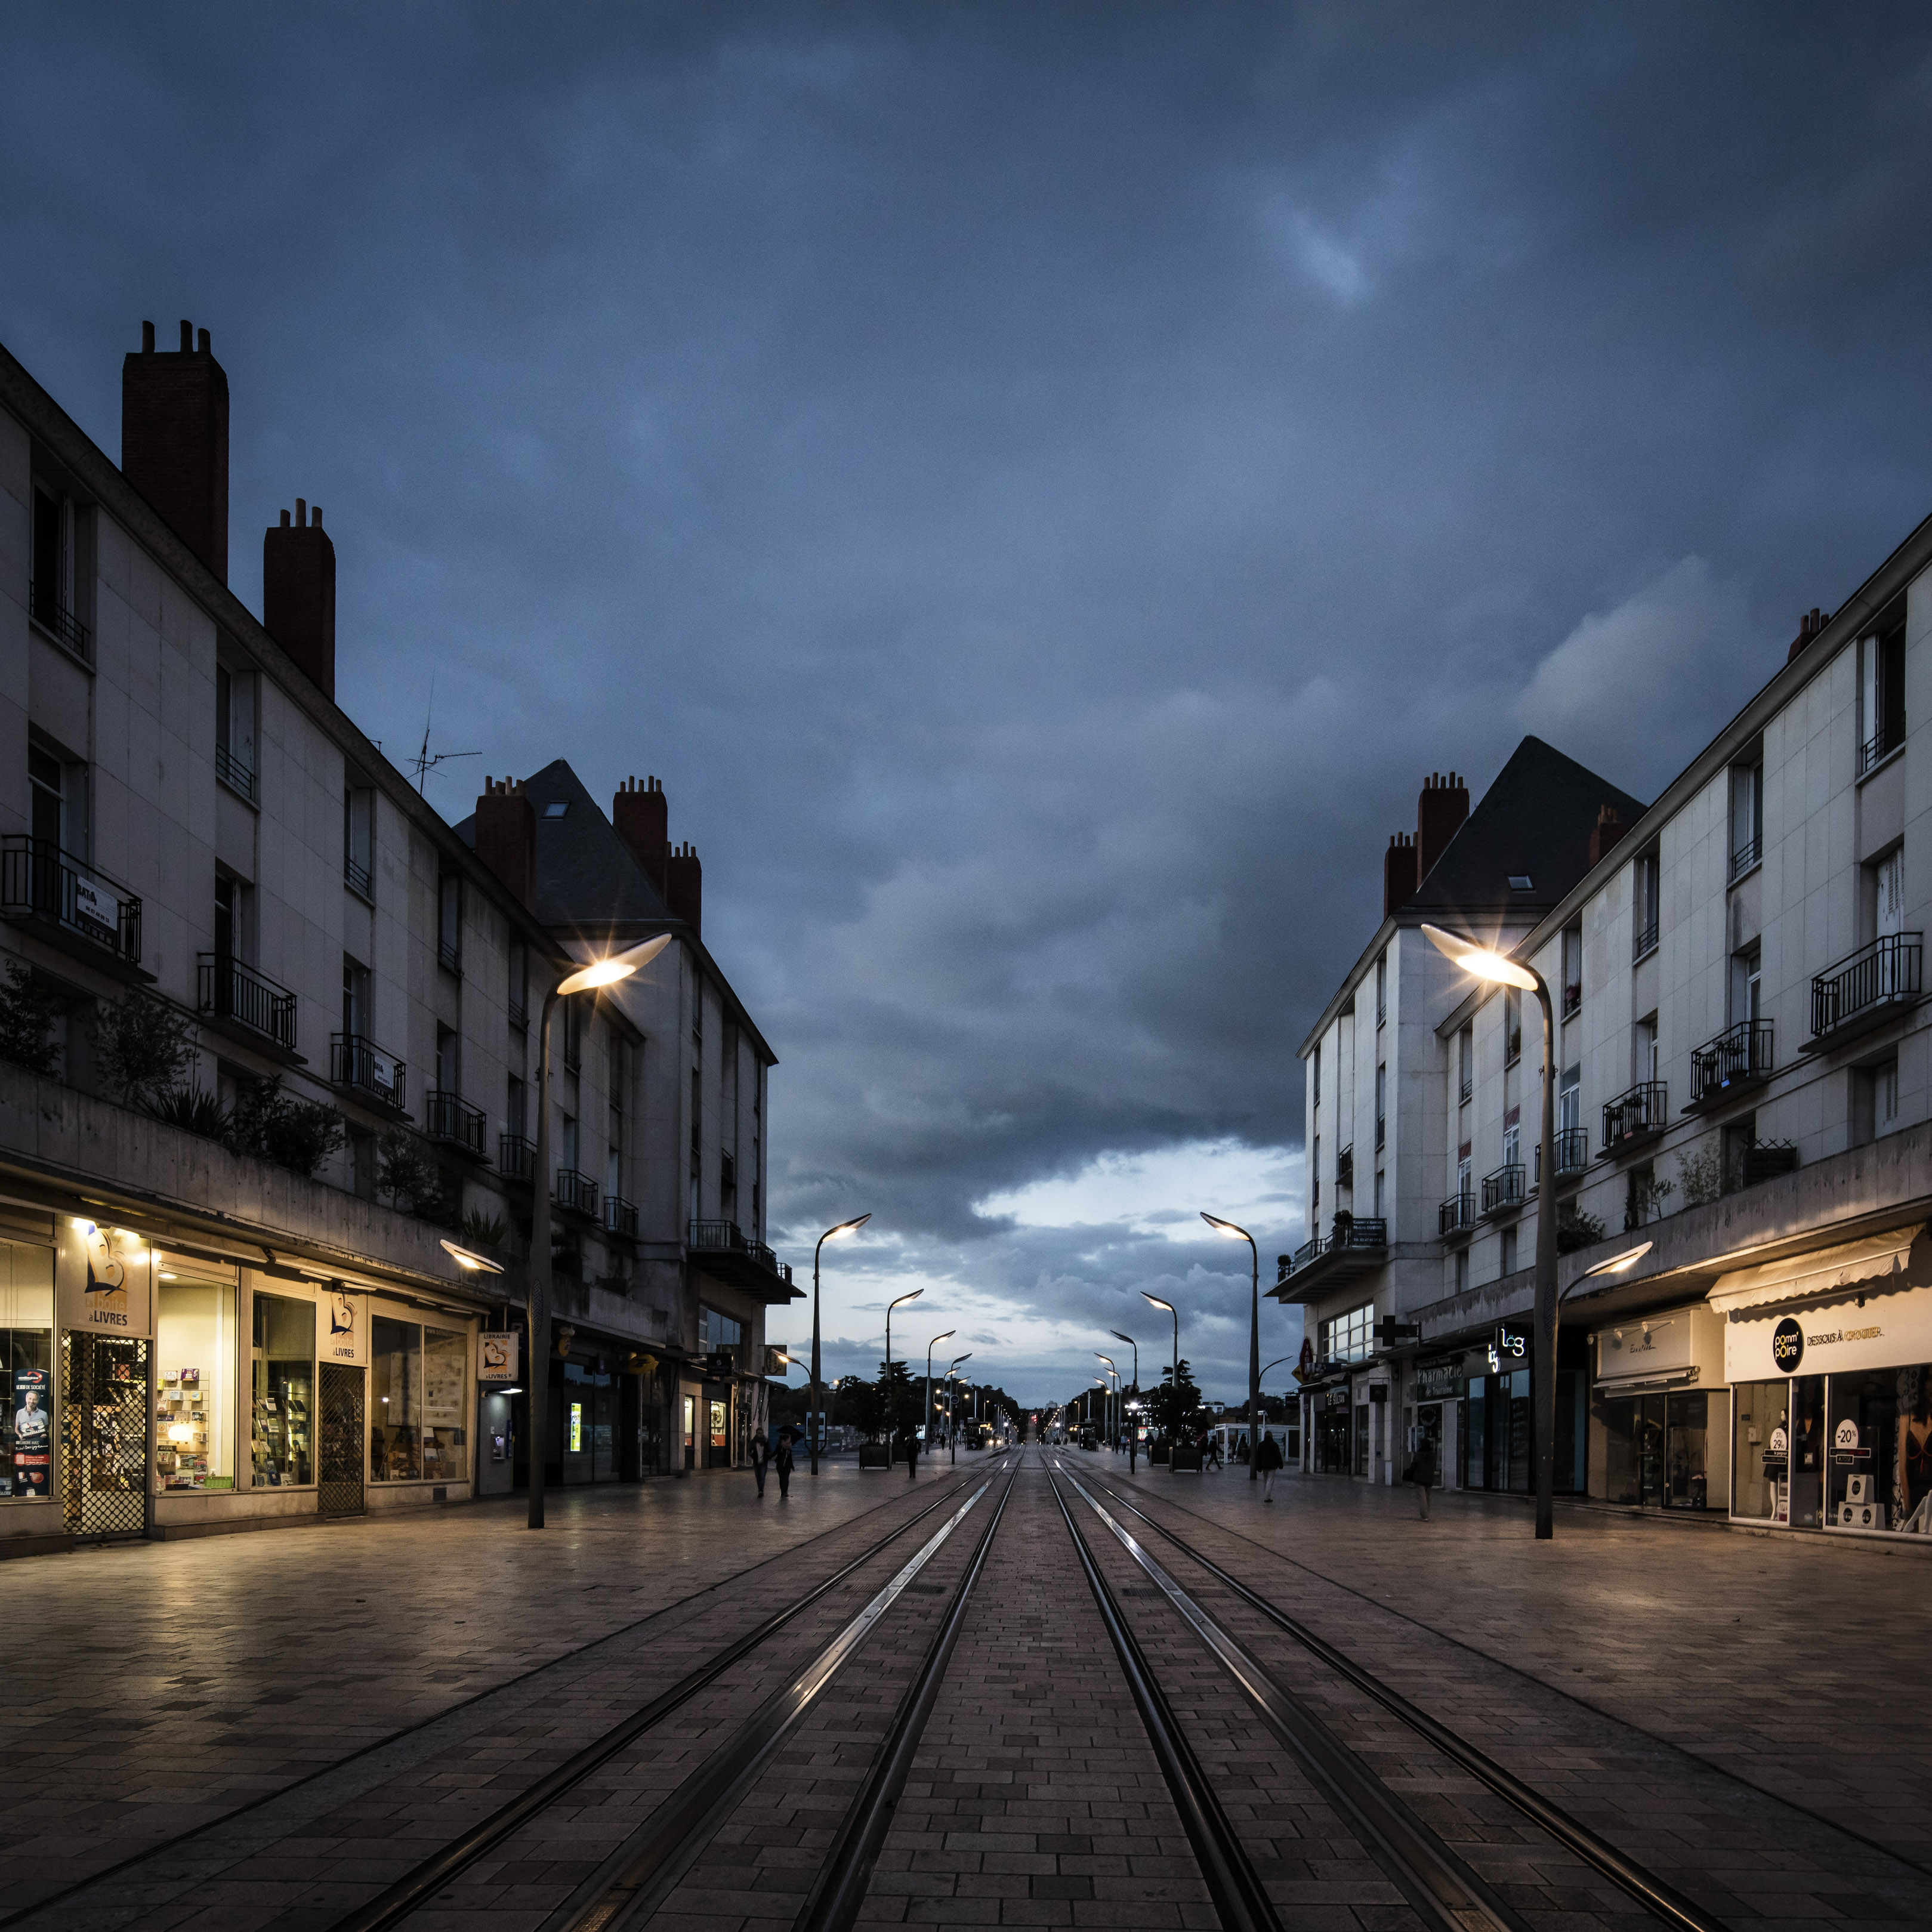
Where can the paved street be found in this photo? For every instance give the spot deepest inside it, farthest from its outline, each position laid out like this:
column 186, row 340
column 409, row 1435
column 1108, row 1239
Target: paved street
column 262, row 1731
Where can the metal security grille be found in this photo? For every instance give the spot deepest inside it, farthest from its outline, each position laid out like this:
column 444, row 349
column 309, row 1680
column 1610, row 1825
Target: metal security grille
column 104, row 1431
column 339, row 1489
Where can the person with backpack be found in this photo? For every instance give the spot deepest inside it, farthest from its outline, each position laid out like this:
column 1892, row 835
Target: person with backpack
column 1268, row 1460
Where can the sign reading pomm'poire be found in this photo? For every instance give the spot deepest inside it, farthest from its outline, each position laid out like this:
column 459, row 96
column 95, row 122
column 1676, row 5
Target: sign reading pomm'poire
column 104, row 1279
column 1889, row 1329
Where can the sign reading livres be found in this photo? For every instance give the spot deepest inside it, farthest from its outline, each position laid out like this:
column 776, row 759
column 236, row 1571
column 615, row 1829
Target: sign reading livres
column 497, row 1355
column 103, row 1279
column 342, row 1328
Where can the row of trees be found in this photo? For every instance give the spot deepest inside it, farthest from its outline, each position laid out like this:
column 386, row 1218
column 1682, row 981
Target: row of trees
column 878, row 1406
column 1174, row 1408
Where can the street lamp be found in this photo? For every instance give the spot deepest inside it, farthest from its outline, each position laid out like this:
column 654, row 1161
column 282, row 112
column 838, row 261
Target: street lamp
column 1233, row 1231
column 812, row 1421
column 1485, row 962
column 890, row 1395
column 1176, row 1313
column 1132, row 1431
column 925, row 1419
column 586, row 979
column 1113, row 1426
column 953, row 1406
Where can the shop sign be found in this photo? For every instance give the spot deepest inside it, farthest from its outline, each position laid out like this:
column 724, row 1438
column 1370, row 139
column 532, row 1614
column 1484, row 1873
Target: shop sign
column 32, row 1402
column 1761, row 1345
column 1439, row 1382
column 1336, row 1397
column 344, row 1327
column 497, row 1356
column 104, row 1279
column 1510, row 1350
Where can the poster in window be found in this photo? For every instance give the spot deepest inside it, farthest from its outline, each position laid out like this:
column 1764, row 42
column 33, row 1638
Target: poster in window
column 345, row 1327
column 32, row 1401
column 103, row 1279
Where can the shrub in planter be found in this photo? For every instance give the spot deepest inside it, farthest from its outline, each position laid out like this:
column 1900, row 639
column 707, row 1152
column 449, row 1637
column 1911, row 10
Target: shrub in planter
column 143, row 1050
column 1575, row 1231
column 27, row 1016
column 191, row 1110
column 405, row 1173
column 271, row 1125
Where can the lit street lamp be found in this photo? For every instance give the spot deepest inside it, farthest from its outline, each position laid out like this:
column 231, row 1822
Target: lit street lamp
column 1133, row 1430
column 925, row 1419
column 813, row 1426
column 586, row 979
column 1229, row 1229
column 1176, row 1313
column 1486, row 963
column 1114, row 1424
column 891, row 1395
column 953, row 1406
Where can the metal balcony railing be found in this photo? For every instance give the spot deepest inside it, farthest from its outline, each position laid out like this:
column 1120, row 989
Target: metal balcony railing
column 1888, row 972
column 1468, row 1086
column 449, row 956
column 577, row 1192
column 516, row 1157
column 520, row 1014
column 1349, row 1230
column 1646, row 941
column 1643, row 1111
column 230, row 991
column 1345, row 1166
column 37, row 878
column 1739, row 1056
column 724, row 1236
column 356, row 875
column 1745, row 856
column 1875, row 749
column 620, row 1216
column 1504, row 1190
column 1573, row 1154
column 447, row 1117
column 233, row 773
column 44, row 606
column 358, row 1063
column 1457, row 1215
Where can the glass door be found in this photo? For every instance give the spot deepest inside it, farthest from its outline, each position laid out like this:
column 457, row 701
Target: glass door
column 690, row 1431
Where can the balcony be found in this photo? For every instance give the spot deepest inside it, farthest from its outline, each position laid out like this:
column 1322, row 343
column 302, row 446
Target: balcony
column 1503, row 1192
column 243, row 999
column 1737, row 1061
column 44, row 607
column 38, row 881
column 1875, row 749
column 1345, row 1166
column 726, row 1255
column 234, row 774
column 1745, row 856
column 1573, row 1155
column 516, row 1157
column 575, row 1192
column 359, row 1065
column 620, row 1217
column 446, row 1118
column 1456, row 1217
column 1639, row 1115
column 1866, row 988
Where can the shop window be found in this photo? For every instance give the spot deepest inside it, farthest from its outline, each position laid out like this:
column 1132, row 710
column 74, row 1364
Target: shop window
column 26, row 1362
column 1779, row 1450
column 1658, row 1450
column 1359, row 1465
column 195, row 1361
column 1880, row 1473
column 283, row 1391
column 416, row 1389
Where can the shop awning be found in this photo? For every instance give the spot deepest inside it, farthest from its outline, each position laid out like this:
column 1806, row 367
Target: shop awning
column 1818, row 1276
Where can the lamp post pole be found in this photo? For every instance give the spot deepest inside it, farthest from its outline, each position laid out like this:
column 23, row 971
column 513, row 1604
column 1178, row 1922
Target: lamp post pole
column 1132, row 1430
column 813, row 1430
column 925, row 1419
column 1176, row 1313
column 1254, row 1332
column 953, row 1406
column 891, row 1394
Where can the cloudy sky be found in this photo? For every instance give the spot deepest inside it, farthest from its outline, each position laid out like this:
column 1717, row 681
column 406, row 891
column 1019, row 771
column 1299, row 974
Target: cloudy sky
column 1041, row 485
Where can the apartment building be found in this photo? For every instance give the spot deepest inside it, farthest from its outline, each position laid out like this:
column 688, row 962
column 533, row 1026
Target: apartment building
column 1742, row 1181
column 264, row 1026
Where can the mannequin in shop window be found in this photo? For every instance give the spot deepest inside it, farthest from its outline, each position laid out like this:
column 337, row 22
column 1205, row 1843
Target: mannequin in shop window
column 1914, row 1510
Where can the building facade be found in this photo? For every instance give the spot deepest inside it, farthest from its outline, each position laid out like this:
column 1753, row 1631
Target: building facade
column 1741, row 1081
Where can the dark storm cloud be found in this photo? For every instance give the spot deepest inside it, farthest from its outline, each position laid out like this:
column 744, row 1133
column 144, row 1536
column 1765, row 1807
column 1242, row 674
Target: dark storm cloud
column 1041, row 485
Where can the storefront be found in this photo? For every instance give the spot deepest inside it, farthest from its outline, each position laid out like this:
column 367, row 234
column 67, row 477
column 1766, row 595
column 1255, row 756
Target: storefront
column 1498, row 1433
column 1829, row 1357
column 1433, row 1415
column 1660, row 1412
column 1329, row 1433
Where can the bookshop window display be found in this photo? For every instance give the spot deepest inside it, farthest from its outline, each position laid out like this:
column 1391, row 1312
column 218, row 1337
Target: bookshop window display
column 419, row 1377
column 283, row 1392
column 197, row 1365
column 26, row 1372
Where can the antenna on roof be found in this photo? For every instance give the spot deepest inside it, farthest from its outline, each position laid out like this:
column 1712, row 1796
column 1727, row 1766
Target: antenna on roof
column 424, row 763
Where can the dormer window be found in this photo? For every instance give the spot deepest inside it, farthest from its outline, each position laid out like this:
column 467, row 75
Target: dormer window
column 556, row 807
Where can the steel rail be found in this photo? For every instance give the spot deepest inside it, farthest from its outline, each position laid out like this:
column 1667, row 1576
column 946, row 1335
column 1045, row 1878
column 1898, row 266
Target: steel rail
column 630, row 1884
column 833, row 1905
column 418, row 1884
column 1446, row 1893
column 1241, row 1902
column 1659, row 1898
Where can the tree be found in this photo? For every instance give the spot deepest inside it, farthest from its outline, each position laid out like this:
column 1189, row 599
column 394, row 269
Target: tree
column 27, row 1012
column 1176, row 1409
column 144, row 1051
column 267, row 1124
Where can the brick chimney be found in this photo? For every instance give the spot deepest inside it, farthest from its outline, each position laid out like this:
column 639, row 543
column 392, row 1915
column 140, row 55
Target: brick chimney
column 174, row 440
column 299, row 592
column 684, row 886
column 506, row 837
column 1609, row 828
column 1809, row 626
column 1439, row 813
column 1399, row 875
column 642, row 818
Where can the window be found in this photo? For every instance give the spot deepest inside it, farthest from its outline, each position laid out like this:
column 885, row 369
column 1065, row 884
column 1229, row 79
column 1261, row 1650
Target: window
column 1462, row 1271
column 234, row 729
column 1513, row 1137
column 49, row 781
column 1572, row 969
column 1382, row 1105
column 1643, row 1050
column 697, row 1007
column 416, row 1382
column 1509, row 1251
column 1381, row 1195
column 1746, row 985
column 717, row 1331
column 283, row 1383
column 1318, row 1076
column 26, row 1364
column 556, row 807
column 1747, row 815
column 573, row 1035
column 1381, row 989
column 1881, row 695
column 1465, row 1062
column 618, row 1088
column 520, row 985
column 1315, row 1198
column 231, row 918
column 195, row 1345
column 53, row 589
column 1512, row 1025
column 1463, row 1169
column 359, row 840
column 449, row 924
column 514, row 1117
column 1874, row 1101
column 448, row 1062
column 1645, row 884
column 355, row 998
column 1888, row 894
column 1349, row 1337
column 1570, row 1099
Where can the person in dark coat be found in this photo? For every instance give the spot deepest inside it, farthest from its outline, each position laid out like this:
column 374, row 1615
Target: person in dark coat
column 781, row 1462
column 909, row 1441
column 760, row 1451
column 1267, row 1461
column 1422, row 1473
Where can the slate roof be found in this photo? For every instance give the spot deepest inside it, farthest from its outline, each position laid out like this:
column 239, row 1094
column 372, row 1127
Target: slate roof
column 1534, row 822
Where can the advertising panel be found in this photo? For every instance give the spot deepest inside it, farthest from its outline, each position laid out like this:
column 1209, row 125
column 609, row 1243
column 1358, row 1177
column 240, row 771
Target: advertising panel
column 497, row 1356
column 103, row 1279
column 344, row 1336
column 1887, row 1329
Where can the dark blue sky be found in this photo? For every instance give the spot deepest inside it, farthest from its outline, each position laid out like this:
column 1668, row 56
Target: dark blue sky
column 1040, row 484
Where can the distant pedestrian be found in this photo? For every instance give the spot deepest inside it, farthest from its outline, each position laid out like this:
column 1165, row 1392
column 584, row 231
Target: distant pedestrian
column 1422, row 1473
column 1211, row 1443
column 1267, row 1461
column 781, row 1461
column 761, row 1450
column 910, row 1442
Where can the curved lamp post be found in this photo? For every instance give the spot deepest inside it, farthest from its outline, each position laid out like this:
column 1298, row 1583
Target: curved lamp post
column 1113, row 1426
column 1235, row 1232
column 925, row 1419
column 586, row 979
column 893, row 1418
column 814, row 1420
column 1176, row 1313
column 953, row 1406
column 1485, row 962
column 1133, row 1445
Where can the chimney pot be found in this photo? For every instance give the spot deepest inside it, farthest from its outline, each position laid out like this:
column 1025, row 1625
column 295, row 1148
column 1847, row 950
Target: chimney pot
column 299, row 594
column 174, row 442
column 1399, row 879
column 301, row 515
column 639, row 814
column 1609, row 828
column 147, row 338
column 684, row 883
column 506, row 837
column 187, row 338
column 1439, row 813
column 285, row 519
column 204, row 343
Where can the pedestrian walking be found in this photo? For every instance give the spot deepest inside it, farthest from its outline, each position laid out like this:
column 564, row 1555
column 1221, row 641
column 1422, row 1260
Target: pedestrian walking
column 781, row 1461
column 911, row 1440
column 1422, row 1473
column 1267, row 1461
column 761, row 1450
column 1212, row 1444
